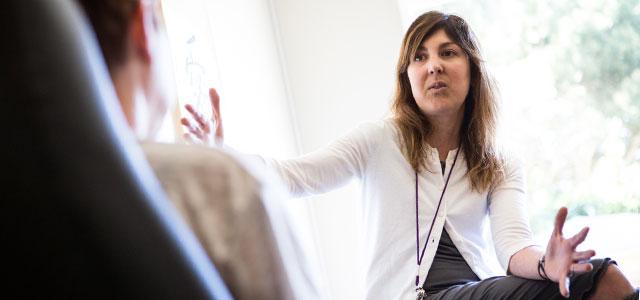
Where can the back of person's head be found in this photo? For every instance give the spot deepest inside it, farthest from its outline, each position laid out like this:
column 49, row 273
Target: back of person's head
column 134, row 43
column 111, row 20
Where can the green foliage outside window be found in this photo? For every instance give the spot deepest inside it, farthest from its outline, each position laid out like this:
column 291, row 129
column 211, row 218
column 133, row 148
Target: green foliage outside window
column 596, row 62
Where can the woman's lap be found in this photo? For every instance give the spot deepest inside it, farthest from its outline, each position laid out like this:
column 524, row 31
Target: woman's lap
column 511, row 287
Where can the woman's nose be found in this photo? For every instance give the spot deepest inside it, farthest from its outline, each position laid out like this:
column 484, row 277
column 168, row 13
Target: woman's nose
column 434, row 67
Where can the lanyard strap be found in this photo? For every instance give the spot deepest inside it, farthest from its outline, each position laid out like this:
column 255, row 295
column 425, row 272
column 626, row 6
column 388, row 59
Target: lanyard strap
column 419, row 255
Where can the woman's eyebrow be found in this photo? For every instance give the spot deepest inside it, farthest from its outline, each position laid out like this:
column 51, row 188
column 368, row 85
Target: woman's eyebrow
column 447, row 44
column 443, row 45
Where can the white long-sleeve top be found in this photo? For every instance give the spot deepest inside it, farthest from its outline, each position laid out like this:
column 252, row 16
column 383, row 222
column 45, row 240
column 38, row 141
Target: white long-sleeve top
column 373, row 154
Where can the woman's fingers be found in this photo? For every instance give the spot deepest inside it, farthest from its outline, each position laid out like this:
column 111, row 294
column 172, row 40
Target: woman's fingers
column 581, row 262
column 215, row 101
column 204, row 125
column 579, row 268
column 561, row 216
column 579, row 237
column 582, row 255
column 191, row 110
column 185, row 122
column 564, row 284
column 217, row 117
column 192, row 129
column 196, row 133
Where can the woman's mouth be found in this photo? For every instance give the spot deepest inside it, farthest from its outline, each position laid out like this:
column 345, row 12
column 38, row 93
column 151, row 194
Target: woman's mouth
column 437, row 86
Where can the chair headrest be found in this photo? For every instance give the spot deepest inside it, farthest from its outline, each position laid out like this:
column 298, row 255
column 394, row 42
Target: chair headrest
column 69, row 150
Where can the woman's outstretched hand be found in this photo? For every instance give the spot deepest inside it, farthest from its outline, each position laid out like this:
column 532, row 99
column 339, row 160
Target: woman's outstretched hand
column 562, row 261
column 200, row 132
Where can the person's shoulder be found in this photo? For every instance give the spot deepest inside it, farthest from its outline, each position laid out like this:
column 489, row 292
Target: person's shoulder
column 199, row 175
column 173, row 160
column 381, row 125
column 185, row 155
column 511, row 159
column 377, row 130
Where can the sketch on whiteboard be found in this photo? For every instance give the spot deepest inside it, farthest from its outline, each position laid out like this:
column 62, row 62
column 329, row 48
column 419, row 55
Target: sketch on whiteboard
column 196, row 77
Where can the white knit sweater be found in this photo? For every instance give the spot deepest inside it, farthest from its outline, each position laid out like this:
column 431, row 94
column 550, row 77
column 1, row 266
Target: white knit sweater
column 372, row 153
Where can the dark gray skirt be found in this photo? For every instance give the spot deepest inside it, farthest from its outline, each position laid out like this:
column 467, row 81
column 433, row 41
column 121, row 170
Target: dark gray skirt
column 451, row 278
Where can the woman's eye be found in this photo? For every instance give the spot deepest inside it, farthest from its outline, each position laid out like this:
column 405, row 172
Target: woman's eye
column 419, row 57
column 448, row 53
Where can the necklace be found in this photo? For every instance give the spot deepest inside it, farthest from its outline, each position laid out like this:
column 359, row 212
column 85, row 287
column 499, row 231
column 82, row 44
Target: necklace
column 420, row 292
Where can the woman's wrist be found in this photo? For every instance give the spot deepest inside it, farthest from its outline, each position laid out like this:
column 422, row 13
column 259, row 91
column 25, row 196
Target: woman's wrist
column 541, row 271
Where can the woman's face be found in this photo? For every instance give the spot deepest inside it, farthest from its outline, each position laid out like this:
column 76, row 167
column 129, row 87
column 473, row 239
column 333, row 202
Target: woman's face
column 439, row 75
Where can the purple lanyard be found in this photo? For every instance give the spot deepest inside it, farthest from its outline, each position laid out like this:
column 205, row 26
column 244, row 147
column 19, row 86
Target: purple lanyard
column 418, row 255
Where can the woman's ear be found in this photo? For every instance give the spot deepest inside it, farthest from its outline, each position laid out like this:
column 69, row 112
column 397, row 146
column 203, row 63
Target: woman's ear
column 139, row 33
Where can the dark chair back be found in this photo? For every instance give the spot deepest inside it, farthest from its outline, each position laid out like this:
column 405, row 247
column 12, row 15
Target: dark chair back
column 82, row 215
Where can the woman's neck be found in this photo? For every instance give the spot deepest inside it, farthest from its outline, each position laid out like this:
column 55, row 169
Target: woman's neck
column 445, row 135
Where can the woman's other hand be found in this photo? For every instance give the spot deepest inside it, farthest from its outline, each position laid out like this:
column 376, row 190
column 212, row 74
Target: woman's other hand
column 200, row 131
column 562, row 261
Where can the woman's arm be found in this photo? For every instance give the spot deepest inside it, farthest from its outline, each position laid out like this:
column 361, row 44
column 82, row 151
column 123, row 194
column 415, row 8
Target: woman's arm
column 524, row 263
column 329, row 167
column 317, row 172
column 509, row 219
column 559, row 262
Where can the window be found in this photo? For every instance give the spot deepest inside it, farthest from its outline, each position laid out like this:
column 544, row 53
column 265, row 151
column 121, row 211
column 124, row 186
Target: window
column 230, row 45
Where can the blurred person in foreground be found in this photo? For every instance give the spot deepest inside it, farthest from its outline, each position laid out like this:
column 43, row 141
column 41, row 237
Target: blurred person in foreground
column 236, row 213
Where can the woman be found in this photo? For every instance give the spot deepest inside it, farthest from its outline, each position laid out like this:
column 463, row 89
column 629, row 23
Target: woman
column 432, row 175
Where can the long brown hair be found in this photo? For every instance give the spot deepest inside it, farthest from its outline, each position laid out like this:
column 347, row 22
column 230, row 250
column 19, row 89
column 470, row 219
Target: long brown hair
column 478, row 129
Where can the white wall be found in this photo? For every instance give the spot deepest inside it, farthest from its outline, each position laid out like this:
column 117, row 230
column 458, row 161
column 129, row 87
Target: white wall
column 339, row 57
